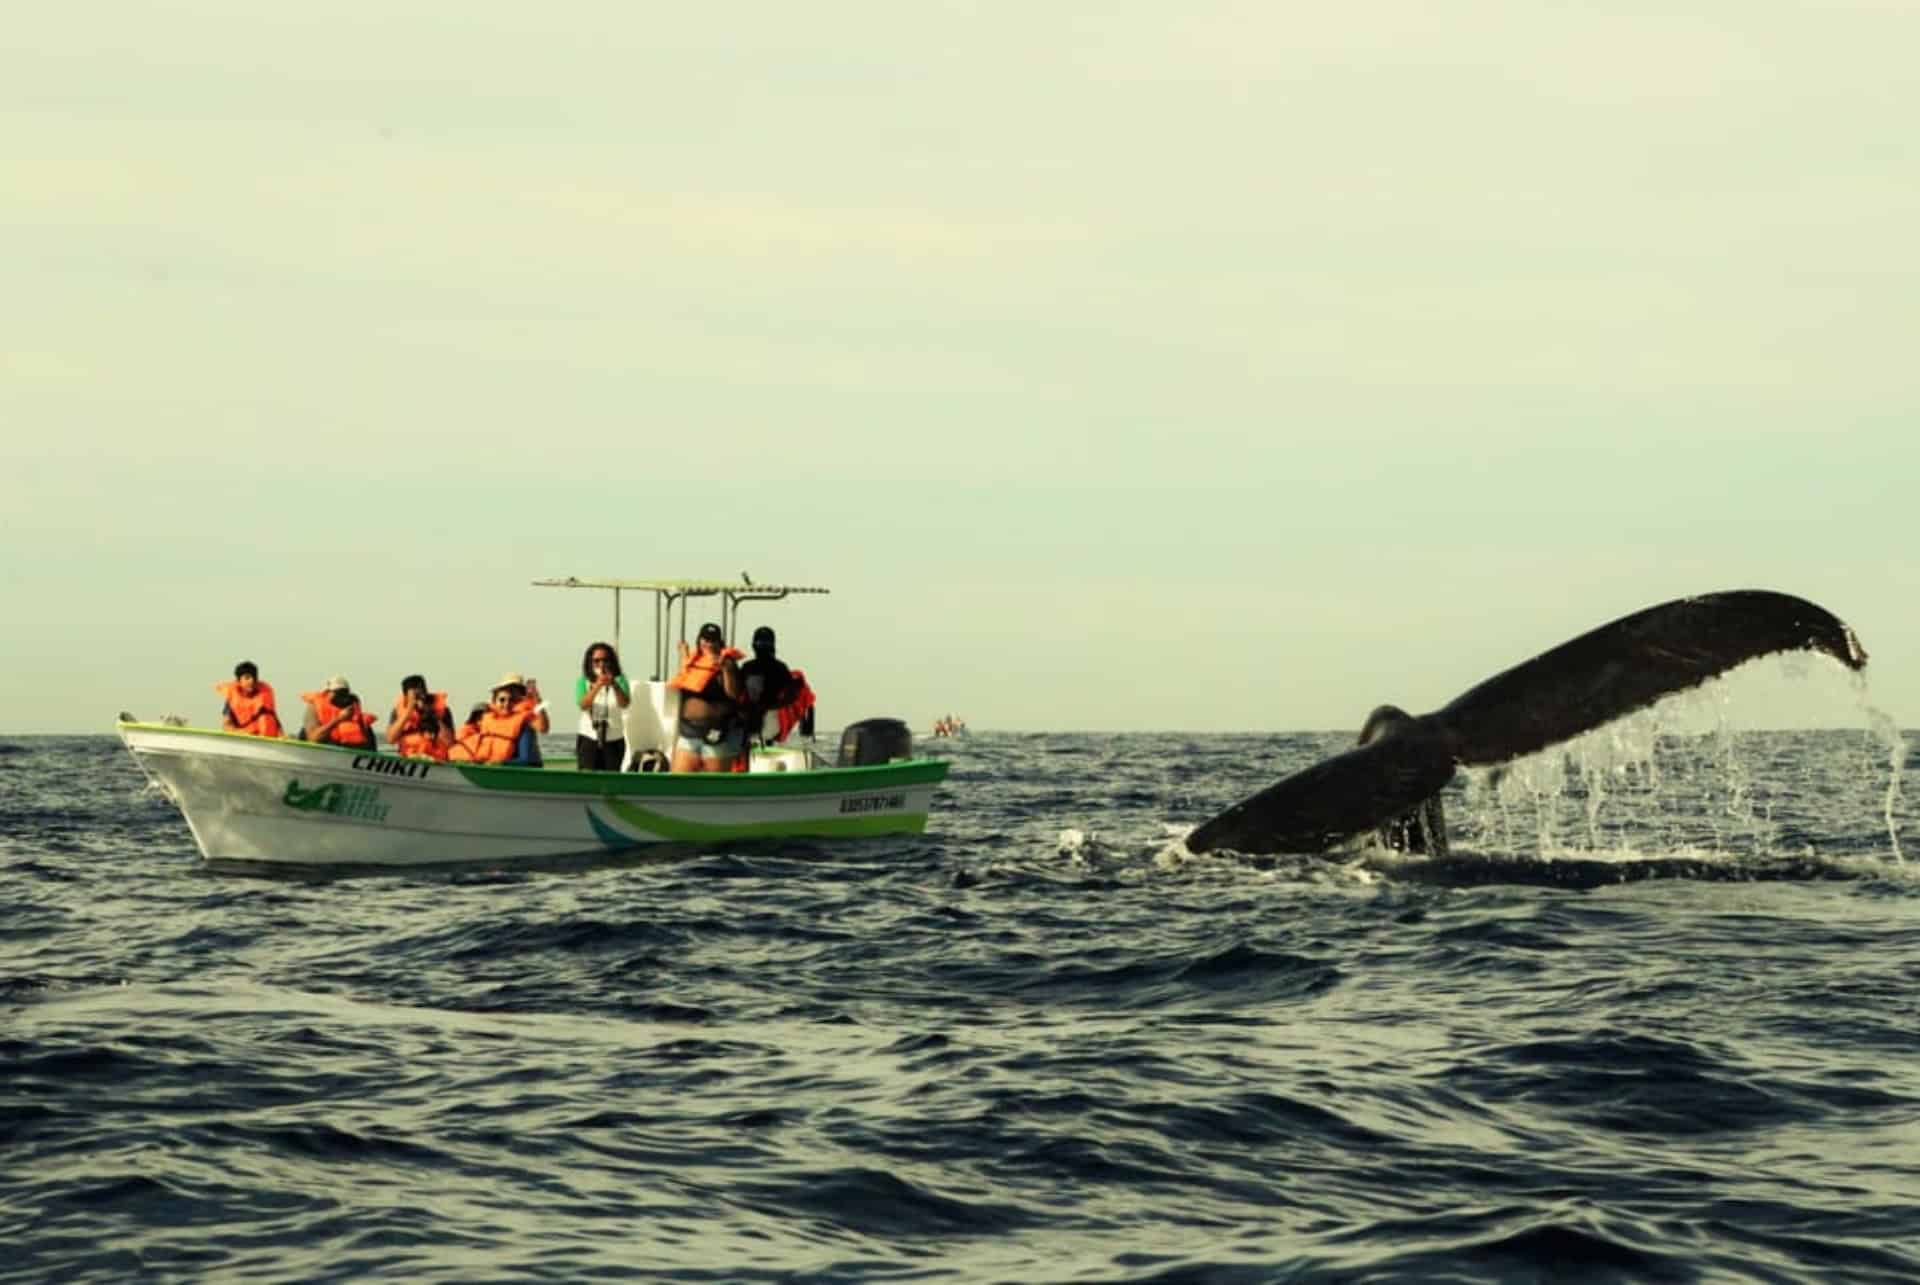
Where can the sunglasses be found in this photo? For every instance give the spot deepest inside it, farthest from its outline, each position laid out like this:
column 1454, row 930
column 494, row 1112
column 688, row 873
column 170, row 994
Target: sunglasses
column 603, row 660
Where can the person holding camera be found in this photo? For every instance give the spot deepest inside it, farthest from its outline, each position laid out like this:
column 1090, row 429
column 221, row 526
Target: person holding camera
column 334, row 717
column 420, row 725
column 526, row 702
column 601, row 693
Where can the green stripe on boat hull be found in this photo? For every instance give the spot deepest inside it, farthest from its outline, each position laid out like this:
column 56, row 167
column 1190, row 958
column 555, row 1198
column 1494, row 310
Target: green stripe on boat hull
column 718, row 785
column 672, row 829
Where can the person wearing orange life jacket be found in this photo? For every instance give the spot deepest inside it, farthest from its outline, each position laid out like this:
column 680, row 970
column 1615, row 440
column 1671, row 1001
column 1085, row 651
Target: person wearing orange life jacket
column 420, row 726
column 710, row 736
column 507, row 732
column 466, row 741
column 528, row 700
column 249, row 707
column 334, row 717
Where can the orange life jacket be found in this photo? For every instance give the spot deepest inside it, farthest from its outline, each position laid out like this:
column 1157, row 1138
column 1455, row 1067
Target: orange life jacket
column 409, row 741
column 439, row 700
column 698, row 671
column 499, row 734
column 416, row 744
column 796, row 709
column 356, row 732
column 466, row 744
column 254, row 715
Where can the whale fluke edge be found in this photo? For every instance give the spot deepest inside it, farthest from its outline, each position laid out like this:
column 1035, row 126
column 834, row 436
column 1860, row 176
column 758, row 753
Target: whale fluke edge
column 1392, row 779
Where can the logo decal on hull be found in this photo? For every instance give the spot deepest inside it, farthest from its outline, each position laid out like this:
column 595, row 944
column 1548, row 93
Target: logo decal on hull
column 361, row 802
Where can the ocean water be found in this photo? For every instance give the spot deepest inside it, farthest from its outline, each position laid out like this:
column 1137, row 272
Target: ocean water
column 1655, row 1019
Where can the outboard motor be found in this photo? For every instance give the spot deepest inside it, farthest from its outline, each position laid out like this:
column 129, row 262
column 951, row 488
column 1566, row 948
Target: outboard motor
column 873, row 741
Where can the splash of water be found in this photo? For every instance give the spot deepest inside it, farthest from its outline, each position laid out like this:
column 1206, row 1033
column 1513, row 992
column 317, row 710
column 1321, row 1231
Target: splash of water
column 1610, row 791
column 1888, row 734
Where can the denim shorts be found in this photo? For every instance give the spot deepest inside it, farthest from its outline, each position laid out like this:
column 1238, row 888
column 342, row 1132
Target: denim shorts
column 728, row 746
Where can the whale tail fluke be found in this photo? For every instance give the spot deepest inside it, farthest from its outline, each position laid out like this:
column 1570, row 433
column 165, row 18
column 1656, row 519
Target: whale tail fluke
column 1630, row 664
column 1585, row 683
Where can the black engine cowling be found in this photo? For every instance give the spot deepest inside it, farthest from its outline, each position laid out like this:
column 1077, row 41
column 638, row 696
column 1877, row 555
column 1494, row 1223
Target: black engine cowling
column 873, row 741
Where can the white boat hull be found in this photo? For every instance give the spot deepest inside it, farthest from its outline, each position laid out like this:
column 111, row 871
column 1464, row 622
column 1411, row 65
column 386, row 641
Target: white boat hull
column 252, row 799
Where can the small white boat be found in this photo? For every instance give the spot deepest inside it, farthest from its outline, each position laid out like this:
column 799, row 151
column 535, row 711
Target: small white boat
column 255, row 799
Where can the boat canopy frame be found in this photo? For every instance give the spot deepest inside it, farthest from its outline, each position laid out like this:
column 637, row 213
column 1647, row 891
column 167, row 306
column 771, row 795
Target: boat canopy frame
column 668, row 593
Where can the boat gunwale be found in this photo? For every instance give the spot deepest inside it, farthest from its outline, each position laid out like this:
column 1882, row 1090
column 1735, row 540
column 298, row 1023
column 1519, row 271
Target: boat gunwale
column 542, row 781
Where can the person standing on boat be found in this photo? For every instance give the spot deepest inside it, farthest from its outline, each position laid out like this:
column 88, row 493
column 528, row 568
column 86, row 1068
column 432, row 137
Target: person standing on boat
column 249, row 706
column 601, row 693
column 773, row 688
column 334, row 716
column 710, row 735
column 420, row 725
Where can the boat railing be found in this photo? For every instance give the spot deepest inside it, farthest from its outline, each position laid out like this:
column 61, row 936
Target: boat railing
column 667, row 594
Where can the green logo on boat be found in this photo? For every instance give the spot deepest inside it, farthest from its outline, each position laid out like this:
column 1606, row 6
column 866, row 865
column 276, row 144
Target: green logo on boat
column 361, row 801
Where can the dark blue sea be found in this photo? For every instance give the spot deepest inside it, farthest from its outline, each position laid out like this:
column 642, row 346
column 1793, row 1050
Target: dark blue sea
column 1654, row 1019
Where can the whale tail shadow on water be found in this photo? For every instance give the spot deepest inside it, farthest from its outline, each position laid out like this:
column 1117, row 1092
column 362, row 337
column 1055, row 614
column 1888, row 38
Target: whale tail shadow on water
column 1391, row 781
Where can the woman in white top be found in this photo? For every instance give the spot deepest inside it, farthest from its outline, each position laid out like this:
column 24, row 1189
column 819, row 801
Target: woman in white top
column 601, row 693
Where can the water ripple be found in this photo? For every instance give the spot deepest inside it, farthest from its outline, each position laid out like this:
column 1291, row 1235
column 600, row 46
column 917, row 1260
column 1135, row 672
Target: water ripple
column 1647, row 1027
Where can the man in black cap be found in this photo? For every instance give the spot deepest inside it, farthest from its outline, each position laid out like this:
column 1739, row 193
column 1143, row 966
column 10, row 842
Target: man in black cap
column 769, row 683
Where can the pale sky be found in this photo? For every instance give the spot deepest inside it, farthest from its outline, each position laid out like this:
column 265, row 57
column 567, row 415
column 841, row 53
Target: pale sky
column 1210, row 366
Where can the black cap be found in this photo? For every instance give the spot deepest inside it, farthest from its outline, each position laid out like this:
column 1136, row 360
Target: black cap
column 711, row 631
column 763, row 637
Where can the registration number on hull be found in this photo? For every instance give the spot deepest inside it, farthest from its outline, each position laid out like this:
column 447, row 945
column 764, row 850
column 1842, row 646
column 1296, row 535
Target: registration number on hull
column 873, row 803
